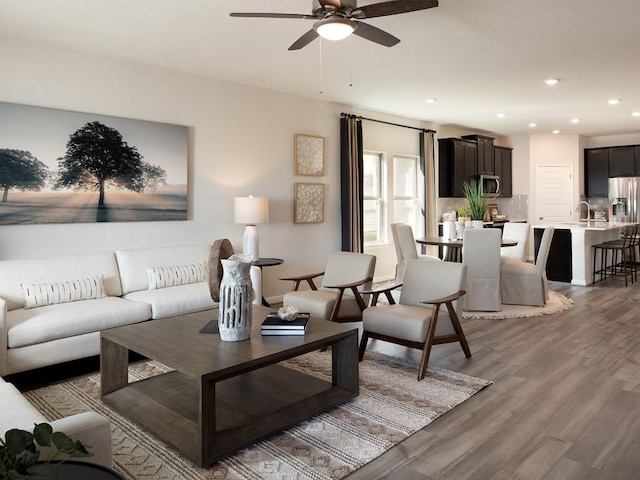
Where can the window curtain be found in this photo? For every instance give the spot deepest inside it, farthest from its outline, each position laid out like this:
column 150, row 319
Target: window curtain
column 428, row 172
column 351, row 184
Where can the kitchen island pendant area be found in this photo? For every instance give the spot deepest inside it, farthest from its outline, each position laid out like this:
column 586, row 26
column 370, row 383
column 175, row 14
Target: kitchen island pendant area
column 571, row 254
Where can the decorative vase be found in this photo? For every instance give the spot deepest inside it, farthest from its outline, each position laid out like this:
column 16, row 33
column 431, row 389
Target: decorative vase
column 236, row 295
column 477, row 223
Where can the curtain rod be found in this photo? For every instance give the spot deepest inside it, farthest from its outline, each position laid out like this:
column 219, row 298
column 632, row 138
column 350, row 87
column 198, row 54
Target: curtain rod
column 349, row 115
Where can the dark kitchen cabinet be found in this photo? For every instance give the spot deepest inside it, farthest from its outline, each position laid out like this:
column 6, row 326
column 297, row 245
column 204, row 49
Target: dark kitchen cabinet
column 456, row 165
column 622, row 162
column 485, row 153
column 596, row 172
column 503, row 169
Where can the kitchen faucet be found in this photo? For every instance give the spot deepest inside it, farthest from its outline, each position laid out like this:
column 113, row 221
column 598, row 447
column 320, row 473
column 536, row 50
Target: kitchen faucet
column 588, row 211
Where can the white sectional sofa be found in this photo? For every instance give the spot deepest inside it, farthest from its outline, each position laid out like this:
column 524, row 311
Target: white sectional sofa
column 50, row 334
column 46, row 334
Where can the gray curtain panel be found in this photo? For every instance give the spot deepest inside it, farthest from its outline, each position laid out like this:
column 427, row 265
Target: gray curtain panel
column 428, row 172
column 351, row 183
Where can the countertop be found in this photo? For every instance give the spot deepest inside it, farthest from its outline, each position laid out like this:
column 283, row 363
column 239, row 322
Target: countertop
column 584, row 225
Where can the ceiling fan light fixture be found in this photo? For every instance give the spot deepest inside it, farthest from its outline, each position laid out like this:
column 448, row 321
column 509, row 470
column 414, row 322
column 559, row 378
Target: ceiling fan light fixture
column 334, row 28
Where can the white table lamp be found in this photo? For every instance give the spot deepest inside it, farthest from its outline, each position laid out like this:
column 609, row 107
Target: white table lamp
column 251, row 211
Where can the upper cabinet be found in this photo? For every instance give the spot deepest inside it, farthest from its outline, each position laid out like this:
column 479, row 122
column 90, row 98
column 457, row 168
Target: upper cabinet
column 621, row 162
column 600, row 164
column 503, row 161
column 463, row 159
column 486, row 160
column 457, row 160
column 596, row 172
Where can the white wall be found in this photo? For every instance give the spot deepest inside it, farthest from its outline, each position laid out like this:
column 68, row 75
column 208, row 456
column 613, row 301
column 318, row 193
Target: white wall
column 613, row 140
column 240, row 143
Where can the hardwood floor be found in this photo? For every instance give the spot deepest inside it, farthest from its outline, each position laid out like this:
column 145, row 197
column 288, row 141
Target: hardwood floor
column 565, row 403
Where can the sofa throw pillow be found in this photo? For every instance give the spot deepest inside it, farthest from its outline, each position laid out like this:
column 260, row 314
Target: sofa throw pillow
column 40, row 294
column 163, row 277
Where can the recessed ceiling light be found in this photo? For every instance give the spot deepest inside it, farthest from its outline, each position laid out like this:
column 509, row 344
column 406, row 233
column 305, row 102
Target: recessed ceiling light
column 555, row 132
column 533, row 124
column 575, row 120
column 613, row 101
column 431, row 100
column 636, row 114
column 552, row 81
column 502, row 115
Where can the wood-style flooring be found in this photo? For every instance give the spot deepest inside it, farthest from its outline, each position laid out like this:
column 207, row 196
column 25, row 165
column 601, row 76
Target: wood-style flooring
column 565, row 403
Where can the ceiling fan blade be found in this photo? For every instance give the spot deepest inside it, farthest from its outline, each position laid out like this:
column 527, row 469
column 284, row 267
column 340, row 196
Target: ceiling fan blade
column 304, row 40
column 375, row 35
column 273, row 15
column 394, row 7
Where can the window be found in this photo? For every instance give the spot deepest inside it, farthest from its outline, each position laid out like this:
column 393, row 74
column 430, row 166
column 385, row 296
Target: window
column 372, row 195
column 391, row 193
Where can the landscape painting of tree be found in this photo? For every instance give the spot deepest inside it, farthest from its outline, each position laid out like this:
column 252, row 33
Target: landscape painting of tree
column 67, row 167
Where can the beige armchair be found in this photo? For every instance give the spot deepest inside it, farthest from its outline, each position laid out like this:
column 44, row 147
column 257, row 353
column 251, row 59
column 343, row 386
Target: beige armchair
column 418, row 321
column 406, row 249
column 524, row 283
column 338, row 298
column 481, row 255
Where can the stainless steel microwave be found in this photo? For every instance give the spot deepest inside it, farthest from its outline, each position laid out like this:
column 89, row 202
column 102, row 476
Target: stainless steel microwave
column 489, row 185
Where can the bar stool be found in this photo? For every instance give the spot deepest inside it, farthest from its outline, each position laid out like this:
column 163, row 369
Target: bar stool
column 623, row 258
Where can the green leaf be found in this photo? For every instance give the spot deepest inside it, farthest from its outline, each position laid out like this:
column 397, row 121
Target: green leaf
column 42, row 434
column 18, row 441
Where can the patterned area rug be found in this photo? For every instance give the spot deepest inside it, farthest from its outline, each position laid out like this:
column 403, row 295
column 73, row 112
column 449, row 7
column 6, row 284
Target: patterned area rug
column 556, row 303
column 391, row 406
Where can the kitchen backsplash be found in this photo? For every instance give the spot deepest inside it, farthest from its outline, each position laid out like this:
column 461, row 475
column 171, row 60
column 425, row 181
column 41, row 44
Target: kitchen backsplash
column 515, row 208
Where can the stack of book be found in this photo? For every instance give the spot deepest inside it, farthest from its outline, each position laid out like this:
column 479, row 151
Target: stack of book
column 274, row 325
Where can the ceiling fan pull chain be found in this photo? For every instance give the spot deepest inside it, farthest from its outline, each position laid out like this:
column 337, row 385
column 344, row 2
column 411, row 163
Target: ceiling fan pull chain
column 351, row 61
column 320, row 66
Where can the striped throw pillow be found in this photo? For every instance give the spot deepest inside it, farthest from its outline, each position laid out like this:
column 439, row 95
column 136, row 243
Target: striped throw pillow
column 40, row 294
column 163, row 277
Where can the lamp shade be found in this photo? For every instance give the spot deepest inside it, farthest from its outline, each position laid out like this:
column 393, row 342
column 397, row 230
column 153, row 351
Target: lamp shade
column 251, row 210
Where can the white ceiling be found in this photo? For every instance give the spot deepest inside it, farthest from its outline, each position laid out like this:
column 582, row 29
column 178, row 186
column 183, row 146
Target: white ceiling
column 477, row 57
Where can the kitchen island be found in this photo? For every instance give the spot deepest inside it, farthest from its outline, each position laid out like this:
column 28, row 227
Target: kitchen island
column 571, row 254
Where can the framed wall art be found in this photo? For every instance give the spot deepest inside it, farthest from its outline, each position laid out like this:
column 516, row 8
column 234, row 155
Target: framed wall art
column 59, row 166
column 308, row 202
column 309, row 155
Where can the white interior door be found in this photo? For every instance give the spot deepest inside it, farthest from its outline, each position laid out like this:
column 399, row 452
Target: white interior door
column 554, row 193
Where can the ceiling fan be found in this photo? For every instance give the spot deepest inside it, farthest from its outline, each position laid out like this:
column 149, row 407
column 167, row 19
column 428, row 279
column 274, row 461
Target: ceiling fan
column 337, row 19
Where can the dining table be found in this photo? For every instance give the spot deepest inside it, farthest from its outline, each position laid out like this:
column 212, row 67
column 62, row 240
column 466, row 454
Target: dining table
column 453, row 252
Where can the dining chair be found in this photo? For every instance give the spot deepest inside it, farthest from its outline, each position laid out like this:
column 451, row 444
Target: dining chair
column 338, row 298
column 481, row 255
column 406, row 249
column 519, row 232
column 418, row 319
column 523, row 283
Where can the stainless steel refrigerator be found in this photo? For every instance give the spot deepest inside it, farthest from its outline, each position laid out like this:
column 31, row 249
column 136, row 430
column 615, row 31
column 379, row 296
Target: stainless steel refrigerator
column 624, row 199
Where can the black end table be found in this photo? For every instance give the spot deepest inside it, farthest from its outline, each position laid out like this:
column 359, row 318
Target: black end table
column 267, row 262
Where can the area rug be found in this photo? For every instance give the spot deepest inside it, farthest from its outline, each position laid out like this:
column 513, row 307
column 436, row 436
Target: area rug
column 391, row 406
column 556, row 303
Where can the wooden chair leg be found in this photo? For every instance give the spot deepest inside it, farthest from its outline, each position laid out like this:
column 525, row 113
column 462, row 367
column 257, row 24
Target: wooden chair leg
column 455, row 321
column 363, row 344
column 426, row 349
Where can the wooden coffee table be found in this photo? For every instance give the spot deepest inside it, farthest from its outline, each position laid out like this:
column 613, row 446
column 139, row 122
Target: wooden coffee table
column 223, row 396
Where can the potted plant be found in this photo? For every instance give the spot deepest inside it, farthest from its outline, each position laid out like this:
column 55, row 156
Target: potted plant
column 476, row 203
column 20, row 457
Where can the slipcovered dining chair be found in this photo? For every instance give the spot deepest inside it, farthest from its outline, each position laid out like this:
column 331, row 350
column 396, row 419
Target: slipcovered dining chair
column 481, row 255
column 406, row 249
column 419, row 319
column 523, row 283
column 520, row 233
column 338, row 298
